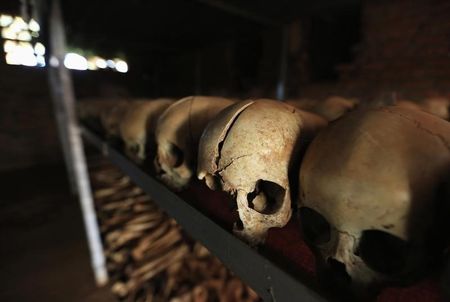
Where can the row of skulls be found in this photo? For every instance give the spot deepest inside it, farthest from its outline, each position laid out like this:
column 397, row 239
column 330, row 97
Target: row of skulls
column 370, row 186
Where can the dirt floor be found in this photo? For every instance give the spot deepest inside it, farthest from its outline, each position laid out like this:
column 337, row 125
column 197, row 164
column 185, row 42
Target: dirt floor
column 44, row 256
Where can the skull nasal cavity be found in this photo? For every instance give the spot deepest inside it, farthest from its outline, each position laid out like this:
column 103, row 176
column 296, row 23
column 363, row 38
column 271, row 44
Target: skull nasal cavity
column 176, row 156
column 135, row 148
column 267, row 198
column 339, row 271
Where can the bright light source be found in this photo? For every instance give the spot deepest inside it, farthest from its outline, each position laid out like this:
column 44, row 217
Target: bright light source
column 9, row 46
column 7, row 33
column 34, row 26
column 12, row 58
column 111, row 64
column 121, row 66
column 21, row 57
column 40, row 61
column 91, row 64
column 54, row 62
column 18, row 25
column 24, row 36
column 75, row 61
column 101, row 63
column 29, row 60
column 21, row 48
column 39, row 49
column 96, row 62
column 5, row 20
column 20, row 53
column 26, row 47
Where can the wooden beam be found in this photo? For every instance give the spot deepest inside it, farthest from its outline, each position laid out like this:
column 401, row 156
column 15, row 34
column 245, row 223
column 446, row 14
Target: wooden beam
column 239, row 11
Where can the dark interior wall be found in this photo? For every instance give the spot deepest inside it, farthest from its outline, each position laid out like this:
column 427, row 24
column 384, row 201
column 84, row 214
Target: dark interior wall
column 366, row 50
column 108, row 84
column 405, row 49
column 27, row 132
column 245, row 66
column 176, row 75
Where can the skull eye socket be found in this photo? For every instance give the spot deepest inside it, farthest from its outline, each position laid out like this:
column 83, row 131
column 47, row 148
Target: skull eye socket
column 383, row 252
column 134, row 148
column 316, row 228
column 267, row 198
column 176, row 156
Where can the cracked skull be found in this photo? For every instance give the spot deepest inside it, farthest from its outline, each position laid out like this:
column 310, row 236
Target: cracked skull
column 137, row 127
column 248, row 151
column 177, row 135
column 369, row 195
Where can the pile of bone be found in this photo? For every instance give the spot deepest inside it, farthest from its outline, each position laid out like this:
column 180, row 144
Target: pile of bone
column 368, row 182
column 148, row 257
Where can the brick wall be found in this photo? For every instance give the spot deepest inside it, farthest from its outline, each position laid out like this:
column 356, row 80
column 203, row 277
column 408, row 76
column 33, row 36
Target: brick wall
column 405, row 49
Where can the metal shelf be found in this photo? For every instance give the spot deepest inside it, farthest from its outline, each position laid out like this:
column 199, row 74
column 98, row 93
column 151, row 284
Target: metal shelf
column 270, row 281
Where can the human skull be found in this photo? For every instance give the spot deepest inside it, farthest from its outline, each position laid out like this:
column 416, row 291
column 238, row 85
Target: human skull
column 305, row 104
column 369, row 185
column 408, row 104
column 177, row 135
column 93, row 107
column 248, row 151
column 335, row 106
column 111, row 116
column 439, row 106
column 331, row 108
column 137, row 127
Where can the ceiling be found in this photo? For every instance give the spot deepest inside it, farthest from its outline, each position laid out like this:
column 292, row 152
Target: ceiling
column 177, row 25
column 172, row 26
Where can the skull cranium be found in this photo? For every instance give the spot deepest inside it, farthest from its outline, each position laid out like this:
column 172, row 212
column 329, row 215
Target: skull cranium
column 111, row 116
column 138, row 125
column 439, row 106
column 177, row 135
column 248, row 152
column 368, row 194
column 93, row 108
column 331, row 108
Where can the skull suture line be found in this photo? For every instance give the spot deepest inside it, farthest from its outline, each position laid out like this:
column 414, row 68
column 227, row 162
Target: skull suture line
column 368, row 190
column 178, row 133
column 137, row 127
column 248, row 151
